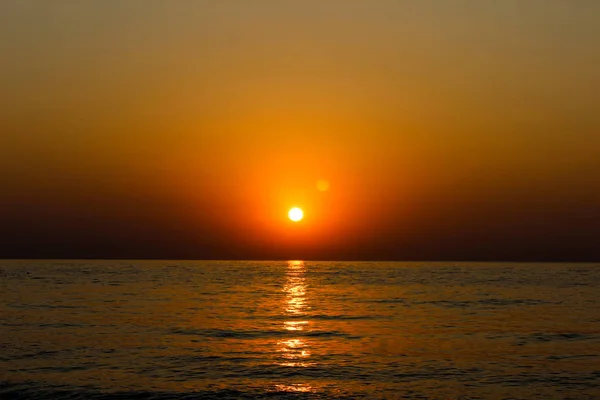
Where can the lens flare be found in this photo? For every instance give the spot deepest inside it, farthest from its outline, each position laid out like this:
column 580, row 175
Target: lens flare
column 322, row 185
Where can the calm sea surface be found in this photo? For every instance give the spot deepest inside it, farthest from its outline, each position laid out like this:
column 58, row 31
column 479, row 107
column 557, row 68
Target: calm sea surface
column 298, row 330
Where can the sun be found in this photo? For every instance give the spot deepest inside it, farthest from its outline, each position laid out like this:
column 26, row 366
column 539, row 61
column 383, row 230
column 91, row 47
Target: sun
column 295, row 214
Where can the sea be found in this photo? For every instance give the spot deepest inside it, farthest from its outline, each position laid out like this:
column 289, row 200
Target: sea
column 105, row 329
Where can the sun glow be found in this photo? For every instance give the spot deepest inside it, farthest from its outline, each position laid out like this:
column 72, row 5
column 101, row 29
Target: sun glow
column 295, row 214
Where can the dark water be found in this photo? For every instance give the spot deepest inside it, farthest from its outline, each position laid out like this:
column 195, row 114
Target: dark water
column 298, row 330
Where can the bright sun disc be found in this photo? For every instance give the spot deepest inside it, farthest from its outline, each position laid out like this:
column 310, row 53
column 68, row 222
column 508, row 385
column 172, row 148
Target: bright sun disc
column 296, row 214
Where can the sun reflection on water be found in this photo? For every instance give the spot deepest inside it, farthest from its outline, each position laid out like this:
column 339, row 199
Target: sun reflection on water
column 298, row 388
column 295, row 352
column 295, row 300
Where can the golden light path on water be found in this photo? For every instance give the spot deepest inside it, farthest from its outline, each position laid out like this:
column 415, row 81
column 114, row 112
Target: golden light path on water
column 295, row 352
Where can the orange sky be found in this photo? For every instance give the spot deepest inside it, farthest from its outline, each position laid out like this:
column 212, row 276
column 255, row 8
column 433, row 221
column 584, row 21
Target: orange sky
column 188, row 129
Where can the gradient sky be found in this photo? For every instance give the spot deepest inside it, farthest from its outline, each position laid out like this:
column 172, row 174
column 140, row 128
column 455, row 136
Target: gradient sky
column 447, row 130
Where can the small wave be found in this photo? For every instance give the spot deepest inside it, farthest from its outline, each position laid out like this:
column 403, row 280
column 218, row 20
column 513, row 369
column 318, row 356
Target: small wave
column 35, row 391
column 252, row 334
column 482, row 302
column 42, row 354
column 461, row 303
column 386, row 301
column 343, row 317
column 46, row 306
column 573, row 357
column 61, row 325
column 553, row 337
